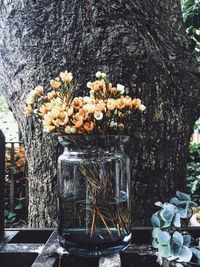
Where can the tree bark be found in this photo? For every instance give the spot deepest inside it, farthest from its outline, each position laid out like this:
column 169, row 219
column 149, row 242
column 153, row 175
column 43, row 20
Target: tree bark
column 141, row 44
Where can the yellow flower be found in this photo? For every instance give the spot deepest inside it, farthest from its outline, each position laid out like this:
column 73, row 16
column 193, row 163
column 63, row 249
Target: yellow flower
column 111, row 104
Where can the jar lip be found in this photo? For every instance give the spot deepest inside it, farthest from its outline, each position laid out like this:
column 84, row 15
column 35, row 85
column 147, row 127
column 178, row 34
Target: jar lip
column 86, row 137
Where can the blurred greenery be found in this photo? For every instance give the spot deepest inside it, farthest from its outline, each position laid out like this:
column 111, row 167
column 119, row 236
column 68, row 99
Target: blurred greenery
column 193, row 172
column 3, row 104
column 191, row 14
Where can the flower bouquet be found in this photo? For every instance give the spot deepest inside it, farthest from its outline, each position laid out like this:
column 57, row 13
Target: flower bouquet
column 93, row 171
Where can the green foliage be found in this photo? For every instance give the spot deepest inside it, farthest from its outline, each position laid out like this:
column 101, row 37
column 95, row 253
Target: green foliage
column 191, row 13
column 3, row 104
column 193, row 172
column 170, row 236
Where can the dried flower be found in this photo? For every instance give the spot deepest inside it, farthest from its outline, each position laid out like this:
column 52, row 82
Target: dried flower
column 106, row 108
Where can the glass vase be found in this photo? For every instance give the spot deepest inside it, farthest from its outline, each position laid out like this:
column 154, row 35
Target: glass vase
column 93, row 195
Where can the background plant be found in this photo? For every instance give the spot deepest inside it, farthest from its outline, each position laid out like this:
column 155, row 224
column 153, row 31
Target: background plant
column 191, row 12
column 17, row 216
column 171, row 238
column 193, row 172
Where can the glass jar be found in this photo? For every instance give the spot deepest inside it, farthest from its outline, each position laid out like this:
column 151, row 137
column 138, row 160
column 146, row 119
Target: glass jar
column 93, row 195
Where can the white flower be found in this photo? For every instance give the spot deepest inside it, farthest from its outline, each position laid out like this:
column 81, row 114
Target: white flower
column 98, row 115
column 120, row 88
column 113, row 124
column 103, row 75
column 30, row 100
column 98, row 74
column 68, row 129
column 89, row 108
column 89, row 85
column 66, row 76
column 32, row 93
column 86, row 99
column 73, row 130
column 91, row 93
column 142, row 107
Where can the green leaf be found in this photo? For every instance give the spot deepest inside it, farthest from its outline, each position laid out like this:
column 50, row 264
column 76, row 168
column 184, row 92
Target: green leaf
column 11, row 215
column 18, row 207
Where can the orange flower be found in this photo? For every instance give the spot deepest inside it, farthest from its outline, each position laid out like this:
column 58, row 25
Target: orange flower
column 113, row 90
column 80, row 130
column 127, row 101
column 100, row 106
column 89, row 126
column 39, row 90
column 78, row 121
column 28, row 110
column 111, row 104
column 136, row 102
column 77, row 102
column 70, row 111
column 120, row 103
column 43, row 110
column 51, row 95
column 54, row 84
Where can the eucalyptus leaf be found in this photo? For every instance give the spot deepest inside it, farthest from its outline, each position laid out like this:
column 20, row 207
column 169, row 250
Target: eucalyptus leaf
column 177, row 220
column 158, row 204
column 163, row 238
column 187, row 240
column 164, row 251
column 155, row 220
column 183, row 196
column 175, row 201
column 177, row 238
column 185, row 255
column 155, row 244
column 155, row 232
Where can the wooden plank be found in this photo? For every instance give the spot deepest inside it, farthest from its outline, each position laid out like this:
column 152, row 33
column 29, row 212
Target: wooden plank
column 22, row 248
column 111, row 261
column 49, row 256
column 2, row 182
column 8, row 235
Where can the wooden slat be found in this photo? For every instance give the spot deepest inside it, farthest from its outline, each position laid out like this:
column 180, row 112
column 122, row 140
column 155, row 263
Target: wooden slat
column 22, row 248
column 7, row 238
column 48, row 257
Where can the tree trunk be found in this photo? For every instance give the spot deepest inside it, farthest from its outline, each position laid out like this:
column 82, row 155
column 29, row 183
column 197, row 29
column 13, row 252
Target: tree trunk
column 141, row 44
